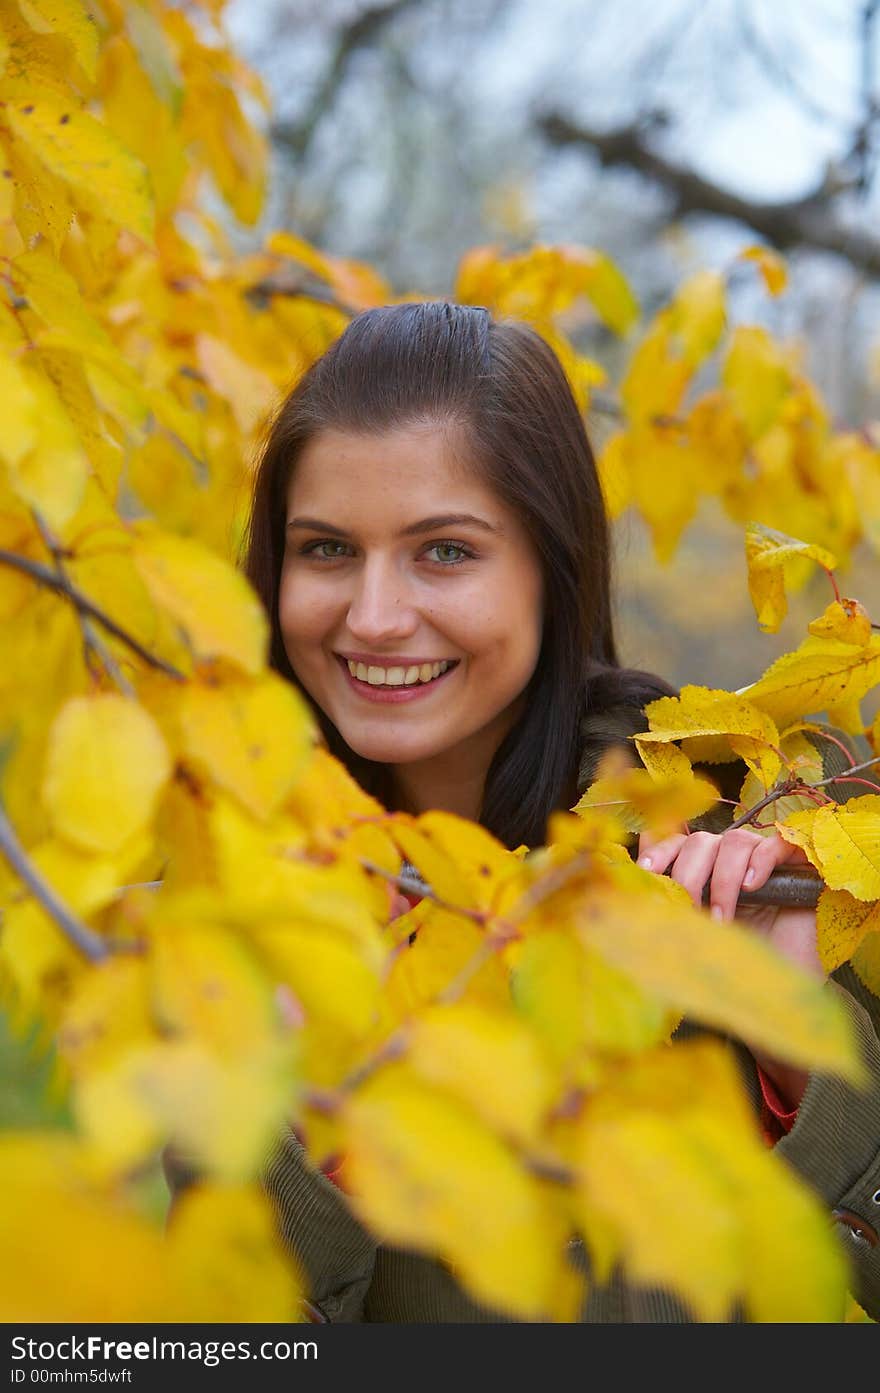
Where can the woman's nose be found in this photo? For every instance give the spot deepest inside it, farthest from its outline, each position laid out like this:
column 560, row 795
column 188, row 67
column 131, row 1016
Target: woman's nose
column 381, row 606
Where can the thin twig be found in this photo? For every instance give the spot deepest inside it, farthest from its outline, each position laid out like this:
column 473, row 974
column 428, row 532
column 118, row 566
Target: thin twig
column 555, row 879
column 791, row 786
column 393, row 1048
column 418, row 887
column 62, row 586
column 92, row 640
column 81, row 936
column 854, row 769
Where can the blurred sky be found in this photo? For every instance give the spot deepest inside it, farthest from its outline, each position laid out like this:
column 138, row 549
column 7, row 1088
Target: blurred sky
column 762, row 90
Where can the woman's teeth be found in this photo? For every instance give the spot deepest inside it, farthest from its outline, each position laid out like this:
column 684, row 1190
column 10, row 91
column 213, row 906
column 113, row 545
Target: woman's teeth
column 397, row 676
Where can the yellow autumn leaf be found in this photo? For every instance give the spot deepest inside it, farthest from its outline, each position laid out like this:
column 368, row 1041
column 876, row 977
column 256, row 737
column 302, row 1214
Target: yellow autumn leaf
column 106, row 1262
column 647, row 801
column 614, row 466
column 101, row 176
column 108, row 1011
column 653, row 1158
column 327, row 986
column 846, row 837
column 718, row 442
column 444, row 947
column 656, row 378
column 845, row 620
column 39, row 962
column 699, row 711
column 221, row 1111
column 660, row 449
column 577, row 1001
column 820, row 675
column 225, row 1259
column 757, row 376
column 485, row 863
column 20, row 415
column 252, row 737
column 250, row 393
column 794, row 1267
column 842, row 921
column 423, row 1171
column 437, row 867
column 41, row 202
column 607, row 289
column 847, row 715
column 676, row 1125
column 212, row 603
column 797, row 830
column 719, row 974
column 71, row 21
column 803, row 758
column 767, row 554
column 141, row 116
column 287, row 244
column 697, row 315
column 771, row 266
column 207, row 982
column 52, row 476
column 106, row 764
column 489, row 1060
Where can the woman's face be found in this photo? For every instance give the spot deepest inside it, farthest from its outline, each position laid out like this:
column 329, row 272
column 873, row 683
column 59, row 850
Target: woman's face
column 397, row 559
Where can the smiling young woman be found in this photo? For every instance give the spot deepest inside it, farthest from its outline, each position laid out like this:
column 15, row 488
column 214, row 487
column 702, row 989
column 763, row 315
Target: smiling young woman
column 428, row 494
column 430, row 542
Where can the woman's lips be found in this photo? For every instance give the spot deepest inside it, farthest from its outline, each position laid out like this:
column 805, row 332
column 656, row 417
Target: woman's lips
column 392, row 694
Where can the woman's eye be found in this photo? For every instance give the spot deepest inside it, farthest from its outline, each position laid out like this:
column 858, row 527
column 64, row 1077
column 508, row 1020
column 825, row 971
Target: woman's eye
column 445, row 548
column 315, row 549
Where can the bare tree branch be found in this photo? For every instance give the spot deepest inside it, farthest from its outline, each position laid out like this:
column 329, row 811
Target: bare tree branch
column 295, row 136
column 805, row 222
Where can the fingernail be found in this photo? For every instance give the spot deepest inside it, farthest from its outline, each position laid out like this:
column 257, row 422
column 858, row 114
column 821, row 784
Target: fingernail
column 646, row 862
column 749, row 876
column 717, row 912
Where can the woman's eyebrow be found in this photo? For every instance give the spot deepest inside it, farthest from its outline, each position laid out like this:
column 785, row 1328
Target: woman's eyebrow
column 426, row 525
column 316, row 525
column 449, row 520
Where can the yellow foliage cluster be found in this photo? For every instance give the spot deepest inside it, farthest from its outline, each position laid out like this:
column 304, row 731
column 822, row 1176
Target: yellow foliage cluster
column 196, row 896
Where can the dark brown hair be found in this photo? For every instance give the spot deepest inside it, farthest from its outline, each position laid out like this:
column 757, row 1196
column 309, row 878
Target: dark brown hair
column 501, row 386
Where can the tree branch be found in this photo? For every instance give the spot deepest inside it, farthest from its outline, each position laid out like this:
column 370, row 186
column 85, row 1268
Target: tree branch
column 296, row 136
column 81, row 936
column 62, row 586
column 805, row 222
column 94, row 644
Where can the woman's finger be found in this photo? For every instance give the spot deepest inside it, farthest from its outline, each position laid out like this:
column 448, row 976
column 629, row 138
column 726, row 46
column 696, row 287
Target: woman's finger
column 737, row 850
column 693, row 865
column 768, row 853
column 656, row 856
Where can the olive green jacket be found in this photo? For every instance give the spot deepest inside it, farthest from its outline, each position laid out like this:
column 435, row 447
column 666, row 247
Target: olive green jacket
column 834, row 1144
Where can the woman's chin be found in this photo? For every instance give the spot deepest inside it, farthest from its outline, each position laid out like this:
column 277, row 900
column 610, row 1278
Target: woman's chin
column 388, row 751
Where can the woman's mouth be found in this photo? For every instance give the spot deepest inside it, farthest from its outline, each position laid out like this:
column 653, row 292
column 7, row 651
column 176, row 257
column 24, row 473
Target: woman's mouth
column 397, row 683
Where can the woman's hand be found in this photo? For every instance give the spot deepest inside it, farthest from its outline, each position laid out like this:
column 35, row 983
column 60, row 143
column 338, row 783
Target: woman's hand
column 731, row 861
